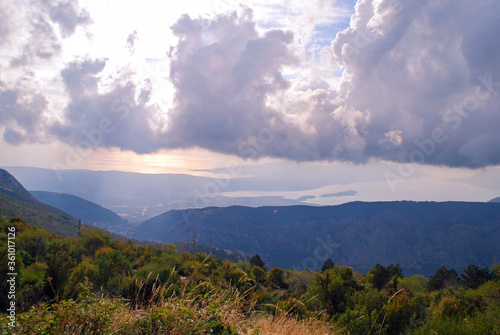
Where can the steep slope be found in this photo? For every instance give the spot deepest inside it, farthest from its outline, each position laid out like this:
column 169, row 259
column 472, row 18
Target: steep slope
column 15, row 200
column 420, row 236
column 79, row 208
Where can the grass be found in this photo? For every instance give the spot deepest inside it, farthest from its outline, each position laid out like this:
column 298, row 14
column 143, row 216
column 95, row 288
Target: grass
column 204, row 309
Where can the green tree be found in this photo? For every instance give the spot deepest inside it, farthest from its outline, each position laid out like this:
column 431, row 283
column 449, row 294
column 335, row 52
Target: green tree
column 257, row 261
column 299, row 282
column 327, row 265
column 335, row 288
column 473, row 276
column 442, row 278
column 82, row 272
column 399, row 312
column 59, row 266
column 258, row 273
column 277, row 276
column 381, row 275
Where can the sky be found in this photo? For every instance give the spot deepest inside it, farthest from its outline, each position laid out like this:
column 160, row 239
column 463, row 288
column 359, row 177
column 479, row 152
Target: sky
column 400, row 98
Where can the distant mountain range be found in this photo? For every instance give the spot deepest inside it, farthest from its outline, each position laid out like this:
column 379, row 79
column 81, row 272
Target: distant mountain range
column 420, row 236
column 137, row 197
column 89, row 212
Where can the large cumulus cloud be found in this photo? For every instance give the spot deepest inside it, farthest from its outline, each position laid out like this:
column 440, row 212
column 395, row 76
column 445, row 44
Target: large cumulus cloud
column 425, row 71
column 223, row 71
column 231, row 96
column 419, row 85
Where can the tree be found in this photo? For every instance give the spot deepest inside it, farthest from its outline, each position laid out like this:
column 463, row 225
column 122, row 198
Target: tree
column 257, row 261
column 258, row 274
column 473, row 276
column 327, row 265
column 277, row 276
column 300, row 281
column 60, row 264
column 443, row 278
column 381, row 275
column 335, row 288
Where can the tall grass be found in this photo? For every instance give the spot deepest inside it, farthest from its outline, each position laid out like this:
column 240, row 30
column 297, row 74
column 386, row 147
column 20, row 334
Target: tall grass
column 156, row 309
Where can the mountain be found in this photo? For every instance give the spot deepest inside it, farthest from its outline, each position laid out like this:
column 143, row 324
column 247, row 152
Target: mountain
column 420, row 236
column 15, row 200
column 137, row 196
column 89, row 212
column 495, row 200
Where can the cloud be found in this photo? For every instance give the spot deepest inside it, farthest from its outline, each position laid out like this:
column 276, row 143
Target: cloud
column 37, row 39
column 131, row 41
column 28, row 42
column 420, row 82
column 413, row 88
column 418, row 72
column 116, row 115
column 68, row 15
column 6, row 21
column 223, row 71
column 20, row 115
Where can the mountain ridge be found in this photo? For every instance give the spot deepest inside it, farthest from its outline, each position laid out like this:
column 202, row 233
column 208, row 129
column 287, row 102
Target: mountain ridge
column 421, row 236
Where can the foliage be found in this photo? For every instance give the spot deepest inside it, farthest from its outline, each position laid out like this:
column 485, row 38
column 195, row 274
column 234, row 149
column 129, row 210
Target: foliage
column 381, row 275
column 442, row 279
column 257, row 261
column 473, row 276
column 334, row 289
column 327, row 265
column 96, row 285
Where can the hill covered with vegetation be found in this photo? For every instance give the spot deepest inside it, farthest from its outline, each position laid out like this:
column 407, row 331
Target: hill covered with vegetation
column 79, row 208
column 15, row 200
column 420, row 236
column 95, row 285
